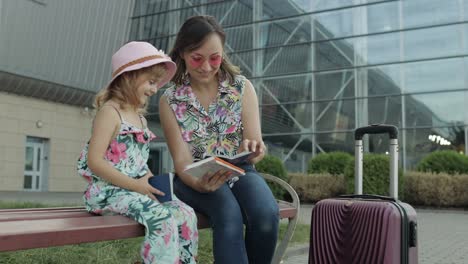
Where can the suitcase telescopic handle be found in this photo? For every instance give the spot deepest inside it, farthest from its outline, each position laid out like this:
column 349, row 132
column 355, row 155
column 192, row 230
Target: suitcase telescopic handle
column 392, row 131
column 367, row 196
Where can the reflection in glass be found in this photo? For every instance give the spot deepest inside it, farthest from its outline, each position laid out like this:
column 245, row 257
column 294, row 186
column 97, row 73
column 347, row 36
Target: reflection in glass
column 334, row 85
column 429, row 12
column 291, row 59
column 382, row 17
column 29, row 159
column 27, row 184
column 435, row 109
column 382, row 48
column 432, row 42
column 439, row 75
column 289, row 89
column 287, row 118
column 296, row 30
column 337, row 141
column 334, row 55
column 419, row 143
column 335, row 115
column 383, row 80
column 384, row 110
column 294, row 150
column 335, row 24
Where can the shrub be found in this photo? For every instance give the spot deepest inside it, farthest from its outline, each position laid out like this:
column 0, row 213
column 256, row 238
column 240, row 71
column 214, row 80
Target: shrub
column 274, row 166
column 429, row 189
column 315, row 187
column 446, row 161
column 333, row 163
column 376, row 175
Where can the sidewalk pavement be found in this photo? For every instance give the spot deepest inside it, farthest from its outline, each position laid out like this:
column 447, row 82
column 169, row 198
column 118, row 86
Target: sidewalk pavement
column 442, row 234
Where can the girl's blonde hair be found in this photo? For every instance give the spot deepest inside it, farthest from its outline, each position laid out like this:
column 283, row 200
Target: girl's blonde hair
column 123, row 89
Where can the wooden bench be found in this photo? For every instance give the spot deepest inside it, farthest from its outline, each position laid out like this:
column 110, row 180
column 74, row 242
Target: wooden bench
column 46, row 227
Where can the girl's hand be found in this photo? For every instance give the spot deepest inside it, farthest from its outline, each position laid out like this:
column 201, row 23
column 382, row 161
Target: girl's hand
column 254, row 146
column 143, row 187
column 211, row 182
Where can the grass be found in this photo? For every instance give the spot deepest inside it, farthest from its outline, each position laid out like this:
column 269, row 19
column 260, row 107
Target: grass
column 113, row 252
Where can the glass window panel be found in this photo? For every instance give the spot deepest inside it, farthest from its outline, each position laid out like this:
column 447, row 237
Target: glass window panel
column 282, row 146
column 432, row 42
column 27, row 184
column 429, row 12
column 382, row 17
column 335, row 24
column 329, row 4
column 334, row 54
column 287, row 118
column 334, row 85
column 37, row 182
column 335, row 115
column 383, row 80
column 239, row 38
column 382, row 48
column 244, row 60
column 288, row 89
column 282, row 32
column 384, row 110
column 28, row 163
column 287, row 60
column 422, row 141
column 38, row 159
column 435, row 109
column 335, row 141
column 281, row 8
column 143, row 7
column 230, row 12
column 440, row 75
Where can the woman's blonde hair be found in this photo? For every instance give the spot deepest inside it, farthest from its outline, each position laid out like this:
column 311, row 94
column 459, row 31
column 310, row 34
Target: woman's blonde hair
column 191, row 36
column 123, row 88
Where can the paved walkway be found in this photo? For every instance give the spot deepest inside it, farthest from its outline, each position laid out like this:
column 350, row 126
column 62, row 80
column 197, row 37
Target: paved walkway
column 442, row 234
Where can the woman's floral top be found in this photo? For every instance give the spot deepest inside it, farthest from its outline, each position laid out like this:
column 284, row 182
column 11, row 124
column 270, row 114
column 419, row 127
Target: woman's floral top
column 213, row 131
column 128, row 153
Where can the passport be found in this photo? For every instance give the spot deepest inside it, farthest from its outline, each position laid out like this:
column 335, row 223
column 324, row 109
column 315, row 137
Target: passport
column 163, row 182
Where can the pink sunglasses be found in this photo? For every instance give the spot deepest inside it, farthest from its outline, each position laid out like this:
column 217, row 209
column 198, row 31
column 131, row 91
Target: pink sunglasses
column 198, row 61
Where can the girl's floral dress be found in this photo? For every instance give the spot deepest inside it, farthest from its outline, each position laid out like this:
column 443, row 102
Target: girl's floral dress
column 171, row 228
column 213, row 131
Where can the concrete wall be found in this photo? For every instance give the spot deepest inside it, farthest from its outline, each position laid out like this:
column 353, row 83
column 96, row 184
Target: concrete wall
column 67, row 129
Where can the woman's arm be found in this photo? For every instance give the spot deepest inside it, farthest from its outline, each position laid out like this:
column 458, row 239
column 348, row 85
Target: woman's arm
column 105, row 127
column 181, row 154
column 252, row 134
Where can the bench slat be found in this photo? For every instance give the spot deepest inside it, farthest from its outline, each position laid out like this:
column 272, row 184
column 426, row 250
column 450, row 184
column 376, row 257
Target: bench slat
column 46, row 227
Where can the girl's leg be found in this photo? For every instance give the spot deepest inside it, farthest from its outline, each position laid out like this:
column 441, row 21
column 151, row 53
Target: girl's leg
column 188, row 231
column 226, row 220
column 261, row 216
column 161, row 243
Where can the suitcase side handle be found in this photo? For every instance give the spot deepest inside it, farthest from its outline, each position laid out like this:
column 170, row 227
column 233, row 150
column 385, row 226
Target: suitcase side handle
column 367, row 196
column 376, row 129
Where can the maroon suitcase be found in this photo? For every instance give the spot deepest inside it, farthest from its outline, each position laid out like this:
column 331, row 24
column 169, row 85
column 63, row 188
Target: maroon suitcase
column 365, row 229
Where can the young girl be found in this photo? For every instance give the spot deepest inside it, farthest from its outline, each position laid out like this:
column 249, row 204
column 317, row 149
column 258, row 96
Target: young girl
column 215, row 111
column 114, row 160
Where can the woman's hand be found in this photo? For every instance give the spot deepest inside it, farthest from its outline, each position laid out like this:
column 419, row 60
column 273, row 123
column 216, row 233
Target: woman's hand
column 142, row 186
column 256, row 147
column 211, row 182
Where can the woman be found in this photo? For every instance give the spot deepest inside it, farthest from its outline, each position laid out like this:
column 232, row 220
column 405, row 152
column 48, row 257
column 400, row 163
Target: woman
column 213, row 110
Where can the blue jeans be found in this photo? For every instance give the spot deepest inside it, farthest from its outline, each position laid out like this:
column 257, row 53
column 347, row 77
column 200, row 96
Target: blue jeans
column 248, row 202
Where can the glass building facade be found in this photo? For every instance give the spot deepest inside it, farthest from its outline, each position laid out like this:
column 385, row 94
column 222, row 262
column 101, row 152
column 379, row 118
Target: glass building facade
column 322, row 68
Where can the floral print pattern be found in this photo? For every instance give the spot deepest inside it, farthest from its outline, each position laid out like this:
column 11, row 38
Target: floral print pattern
column 171, row 228
column 213, row 131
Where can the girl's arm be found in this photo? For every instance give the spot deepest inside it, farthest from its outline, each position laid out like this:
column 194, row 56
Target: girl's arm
column 252, row 134
column 105, row 127
column 181, row 153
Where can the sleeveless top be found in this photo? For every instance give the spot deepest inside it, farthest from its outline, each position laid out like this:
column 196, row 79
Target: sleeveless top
column 128, row 152
column 213, row 131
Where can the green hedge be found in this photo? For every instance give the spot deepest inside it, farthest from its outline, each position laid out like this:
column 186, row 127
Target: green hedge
column 315, row 187
column 447, row 161
column 332, row 162
column 274, row 166
column 376, row 175
column 442, row 190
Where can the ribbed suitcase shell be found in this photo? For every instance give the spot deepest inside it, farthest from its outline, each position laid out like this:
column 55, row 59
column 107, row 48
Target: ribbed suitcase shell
column 365, row 229
column 360, row 231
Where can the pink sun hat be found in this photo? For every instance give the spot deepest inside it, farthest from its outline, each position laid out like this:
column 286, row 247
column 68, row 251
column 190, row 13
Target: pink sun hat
column 136, row 55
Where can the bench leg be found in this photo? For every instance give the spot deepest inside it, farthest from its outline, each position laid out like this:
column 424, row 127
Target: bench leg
column 283, row 245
